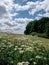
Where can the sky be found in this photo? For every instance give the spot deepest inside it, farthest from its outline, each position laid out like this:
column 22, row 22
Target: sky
column 16, row 14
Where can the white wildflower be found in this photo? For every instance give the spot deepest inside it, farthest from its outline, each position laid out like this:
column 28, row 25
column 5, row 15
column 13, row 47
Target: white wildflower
column 29, row 49
column 22, row 51
column 22, row 45
column 23, row 63
column 20, row 63
column 16, row 46
column 19, row 48
column 45, row 58
column 34, row 63
column 15, row 49
column 38, row 57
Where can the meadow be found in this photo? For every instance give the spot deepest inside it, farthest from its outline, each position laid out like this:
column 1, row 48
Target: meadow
column 18, row 49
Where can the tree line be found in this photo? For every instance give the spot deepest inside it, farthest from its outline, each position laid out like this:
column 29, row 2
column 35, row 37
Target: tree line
column 38, row 27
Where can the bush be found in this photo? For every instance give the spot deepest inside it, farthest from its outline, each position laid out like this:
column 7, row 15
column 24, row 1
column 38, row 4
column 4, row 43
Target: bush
column 33, row 33
column 42, row 35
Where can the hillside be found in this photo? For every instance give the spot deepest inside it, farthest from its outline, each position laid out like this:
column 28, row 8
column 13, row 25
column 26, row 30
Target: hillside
column 17, row 49
column 21, row 37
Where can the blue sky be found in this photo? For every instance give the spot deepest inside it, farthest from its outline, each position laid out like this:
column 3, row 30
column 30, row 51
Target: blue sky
column 16, row 14
column 25, row 13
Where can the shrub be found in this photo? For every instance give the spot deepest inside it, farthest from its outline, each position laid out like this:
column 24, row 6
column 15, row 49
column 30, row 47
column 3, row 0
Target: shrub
column 33, row 33
column 42, row 35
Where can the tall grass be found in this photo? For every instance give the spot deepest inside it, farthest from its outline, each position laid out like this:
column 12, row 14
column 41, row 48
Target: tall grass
column 13, row 52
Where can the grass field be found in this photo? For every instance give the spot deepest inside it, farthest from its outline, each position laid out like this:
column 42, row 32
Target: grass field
column 18, row 49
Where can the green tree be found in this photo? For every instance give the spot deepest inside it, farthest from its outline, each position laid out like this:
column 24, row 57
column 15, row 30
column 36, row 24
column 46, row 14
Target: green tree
column 40, row 26
column 47, row 30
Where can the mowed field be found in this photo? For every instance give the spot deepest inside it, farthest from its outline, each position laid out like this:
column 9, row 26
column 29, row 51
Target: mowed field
column 19, row 49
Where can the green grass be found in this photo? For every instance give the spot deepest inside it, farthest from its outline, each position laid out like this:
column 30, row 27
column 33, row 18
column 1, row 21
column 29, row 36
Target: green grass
column 18, row 49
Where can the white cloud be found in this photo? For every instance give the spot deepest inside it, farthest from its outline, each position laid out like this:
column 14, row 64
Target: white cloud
column 8, row 25
column 19, row 24
column 14, row 14
column 46, row 15
column 28, row 5
column 40, row 5
column 21, row 8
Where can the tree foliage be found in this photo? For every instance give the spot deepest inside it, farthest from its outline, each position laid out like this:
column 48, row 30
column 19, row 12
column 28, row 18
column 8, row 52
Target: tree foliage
column 39, row 26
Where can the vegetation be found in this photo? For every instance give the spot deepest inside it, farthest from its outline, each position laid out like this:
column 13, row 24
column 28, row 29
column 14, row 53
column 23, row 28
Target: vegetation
column 23, row 50
column 40, row 27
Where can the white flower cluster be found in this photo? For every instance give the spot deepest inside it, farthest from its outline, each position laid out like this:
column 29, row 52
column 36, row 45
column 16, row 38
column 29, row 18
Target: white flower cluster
column 23, row 63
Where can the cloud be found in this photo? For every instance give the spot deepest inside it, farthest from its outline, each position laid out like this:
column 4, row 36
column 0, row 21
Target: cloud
column 17, row 26
column 21, row 24
column 21, row 8
column 39, row 6
column 27, row 6
column 8, row 9
column 8, row 25
column 2, row 10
